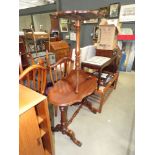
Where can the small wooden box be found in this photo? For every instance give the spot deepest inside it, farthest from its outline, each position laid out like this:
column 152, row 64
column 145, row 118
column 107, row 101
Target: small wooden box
column 60, row 49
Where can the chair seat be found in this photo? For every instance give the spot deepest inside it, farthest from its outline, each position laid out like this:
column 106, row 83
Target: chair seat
column 63, row 92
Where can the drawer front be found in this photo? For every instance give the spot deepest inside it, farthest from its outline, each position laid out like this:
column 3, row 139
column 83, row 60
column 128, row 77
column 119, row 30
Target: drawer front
column 61, row 53
column 105, row 53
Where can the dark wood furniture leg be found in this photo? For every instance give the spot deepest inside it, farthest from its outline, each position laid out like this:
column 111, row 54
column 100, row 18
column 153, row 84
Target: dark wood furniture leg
column 115, row 83
column 99, row 78
column 63, row 127
column 89, row 106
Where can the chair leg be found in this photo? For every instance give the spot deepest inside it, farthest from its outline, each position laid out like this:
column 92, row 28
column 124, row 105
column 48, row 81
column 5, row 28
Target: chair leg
column 63, row 126
column 101, row 103
column 88, row 104
column 115, row 82
column 90, row 107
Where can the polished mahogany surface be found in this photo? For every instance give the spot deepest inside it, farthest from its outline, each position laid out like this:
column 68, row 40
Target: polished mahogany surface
column 78, row 16
column 63, row 93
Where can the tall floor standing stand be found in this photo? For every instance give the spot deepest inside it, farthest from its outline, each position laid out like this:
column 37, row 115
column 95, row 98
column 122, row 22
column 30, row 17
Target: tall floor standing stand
column 77, row 25
column 77, row 85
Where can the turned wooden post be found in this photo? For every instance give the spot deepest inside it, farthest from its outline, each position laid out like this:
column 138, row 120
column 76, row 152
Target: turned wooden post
column 77, row 54
column 63, row 118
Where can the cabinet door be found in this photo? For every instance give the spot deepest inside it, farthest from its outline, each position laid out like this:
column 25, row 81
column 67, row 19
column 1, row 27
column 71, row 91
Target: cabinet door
column 30, row 142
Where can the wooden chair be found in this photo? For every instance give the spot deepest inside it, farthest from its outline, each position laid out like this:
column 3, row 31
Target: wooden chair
column 33, row 40
column 34, row 77
column 59, row 70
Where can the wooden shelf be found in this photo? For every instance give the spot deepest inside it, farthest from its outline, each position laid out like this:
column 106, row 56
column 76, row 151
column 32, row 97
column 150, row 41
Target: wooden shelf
column 99, row 97
column 28, row 98
column 34, row 123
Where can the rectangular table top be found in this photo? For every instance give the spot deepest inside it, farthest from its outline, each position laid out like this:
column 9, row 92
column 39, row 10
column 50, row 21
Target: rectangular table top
column 28, row 98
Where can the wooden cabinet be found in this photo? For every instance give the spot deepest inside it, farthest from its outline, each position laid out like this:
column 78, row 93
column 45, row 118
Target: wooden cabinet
column 60, row 48
column 35, row 136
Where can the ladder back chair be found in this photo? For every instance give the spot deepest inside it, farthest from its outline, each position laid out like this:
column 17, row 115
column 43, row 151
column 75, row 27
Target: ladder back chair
column 59, row 70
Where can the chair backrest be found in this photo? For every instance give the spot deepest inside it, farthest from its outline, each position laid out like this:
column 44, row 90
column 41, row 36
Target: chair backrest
column 60, row 69
column 27, row 34
column 34, row 77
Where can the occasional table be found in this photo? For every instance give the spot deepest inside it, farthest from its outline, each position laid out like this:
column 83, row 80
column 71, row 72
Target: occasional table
column 78, row 84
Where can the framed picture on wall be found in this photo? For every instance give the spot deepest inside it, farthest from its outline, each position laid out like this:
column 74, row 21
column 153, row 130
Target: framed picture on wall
column 104, row 11
column 72, row 36
column 63, row 25
column 96, row 32
column 114, row 10
column 127, row 13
